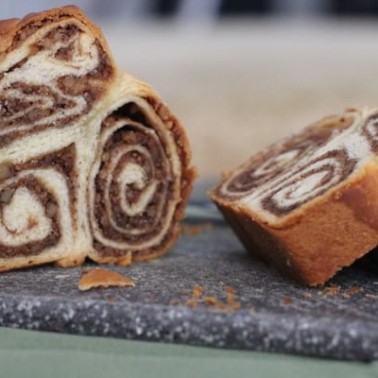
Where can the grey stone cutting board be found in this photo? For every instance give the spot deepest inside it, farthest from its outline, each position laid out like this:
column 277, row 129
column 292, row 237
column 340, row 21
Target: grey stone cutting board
column 339, row 321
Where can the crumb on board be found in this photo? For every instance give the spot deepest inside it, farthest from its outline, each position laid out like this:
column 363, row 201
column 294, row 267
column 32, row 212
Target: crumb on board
column 196, row 229
column 287, row 301
column 111, row 298
column 197, row 291
column 331, row 291
column 198, row 297
column 354, row 290
column 211, row 301
column 307, row 294
column 102, row 278
column 334, row 290
column 371, row 296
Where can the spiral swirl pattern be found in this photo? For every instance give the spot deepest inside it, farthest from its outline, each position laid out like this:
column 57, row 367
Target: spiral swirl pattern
column 92, row 164
column 291, row 173
column 74, row 66
column 37, row 205
column 136, row 186
column 308, row 182
column 370, row 132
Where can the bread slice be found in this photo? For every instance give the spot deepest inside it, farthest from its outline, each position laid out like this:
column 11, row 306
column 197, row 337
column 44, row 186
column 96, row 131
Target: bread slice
column 92, row 162
column 309, row 203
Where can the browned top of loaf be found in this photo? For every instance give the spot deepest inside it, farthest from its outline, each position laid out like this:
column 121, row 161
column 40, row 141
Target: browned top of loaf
column 11, row 28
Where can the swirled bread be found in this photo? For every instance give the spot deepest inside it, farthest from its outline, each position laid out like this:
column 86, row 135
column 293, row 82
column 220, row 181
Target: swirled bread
column 309, row 203
column 92, row 163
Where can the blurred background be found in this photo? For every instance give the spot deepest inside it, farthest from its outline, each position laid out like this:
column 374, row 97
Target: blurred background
column 240, row 74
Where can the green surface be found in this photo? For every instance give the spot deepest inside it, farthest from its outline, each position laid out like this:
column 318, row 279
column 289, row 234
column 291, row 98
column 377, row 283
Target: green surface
column 38, row 354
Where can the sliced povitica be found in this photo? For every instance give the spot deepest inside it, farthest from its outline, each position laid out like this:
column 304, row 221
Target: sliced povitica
column 309, row 203
column 92, row 163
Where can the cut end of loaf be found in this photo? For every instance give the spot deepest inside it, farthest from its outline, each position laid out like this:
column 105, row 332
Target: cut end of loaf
column 150, row 163
column 92, row 163
column 298, row 203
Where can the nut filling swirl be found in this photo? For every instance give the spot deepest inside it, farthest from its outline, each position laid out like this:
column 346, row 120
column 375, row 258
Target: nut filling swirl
column 135, row 186
column 309, row 182
column 296, row 170
column 75, row 65
column 37, row 204
column 92, row 163
column 308, row 205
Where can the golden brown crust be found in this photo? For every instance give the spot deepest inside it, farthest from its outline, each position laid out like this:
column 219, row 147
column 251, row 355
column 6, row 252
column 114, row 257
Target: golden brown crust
column 188, row 175
column 320, row 239
column 103, row 278
column 70, row 262
column 11, row 29
column 6, row 27
column 13, row 33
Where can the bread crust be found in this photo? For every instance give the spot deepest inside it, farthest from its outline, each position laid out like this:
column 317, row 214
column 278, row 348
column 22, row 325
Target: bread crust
column 12, row 28
column 327, row 234
column 12, row 33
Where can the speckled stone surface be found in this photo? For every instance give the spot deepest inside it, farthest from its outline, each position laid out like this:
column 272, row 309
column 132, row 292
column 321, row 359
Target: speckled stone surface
column 338, row 321
column 275, row 315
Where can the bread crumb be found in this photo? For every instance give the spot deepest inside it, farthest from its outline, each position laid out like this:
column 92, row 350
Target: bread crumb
column 211, row 301
column 192, row 303
column 230, row 291
column 334, row 290
column 354, row 290
column 287, row 301
column 196, row 295
column 103, row 278
column 230, row 303
column 193, row 230
column 371, row 296
column 331, row 291
column 111, row 298
column 307, row 294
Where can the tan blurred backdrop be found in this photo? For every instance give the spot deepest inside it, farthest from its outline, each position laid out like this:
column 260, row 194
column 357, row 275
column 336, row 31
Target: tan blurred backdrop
column 237, row 86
